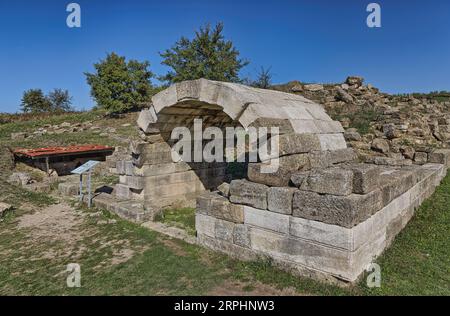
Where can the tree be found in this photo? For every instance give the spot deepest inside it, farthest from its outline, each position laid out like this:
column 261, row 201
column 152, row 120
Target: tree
column 208, row 56
column 34, row 101
column 119, row 86
column 264, row 79
column 60, row 100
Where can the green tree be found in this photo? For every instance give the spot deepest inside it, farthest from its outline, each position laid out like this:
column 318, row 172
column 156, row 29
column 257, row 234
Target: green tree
column 119, row 86
column 208, row 56
column 60, row 100
column 264, row 78
column 34, row 101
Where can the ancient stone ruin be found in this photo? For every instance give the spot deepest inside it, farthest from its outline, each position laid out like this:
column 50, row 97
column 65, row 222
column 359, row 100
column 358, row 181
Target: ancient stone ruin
column 323, row 213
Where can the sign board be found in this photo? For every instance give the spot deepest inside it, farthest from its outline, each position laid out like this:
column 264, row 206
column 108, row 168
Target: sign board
column 86, row 167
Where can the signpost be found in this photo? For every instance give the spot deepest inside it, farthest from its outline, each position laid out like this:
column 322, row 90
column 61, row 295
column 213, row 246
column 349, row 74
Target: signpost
column 83, row 169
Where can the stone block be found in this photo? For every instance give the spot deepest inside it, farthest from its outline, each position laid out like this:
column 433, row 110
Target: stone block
column 223, row 230
column 394, row 183
column 122, row 191
column 147, row 119
column 224, row 189
column 69, row 188
column 287, row 165
column 336, row 181
column 267, row 220
column 297, row 143
column 298, row 178
column 320, row 159
column 420, row 158
column 346, row 211
column 205, row 224
column 365, row 177
column 326, row 234
column 241, row 235
column 279, row 199
column 441, row 156
column 249, row 193
column 332, row 141
column 343, row 155
column 218, row 206
column 135, row 182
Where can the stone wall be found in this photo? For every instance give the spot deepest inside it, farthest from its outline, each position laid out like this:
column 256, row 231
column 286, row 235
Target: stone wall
column 331, row 227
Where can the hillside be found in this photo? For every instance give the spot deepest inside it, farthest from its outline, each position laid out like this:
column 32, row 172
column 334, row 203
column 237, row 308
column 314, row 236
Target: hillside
column 393, row 127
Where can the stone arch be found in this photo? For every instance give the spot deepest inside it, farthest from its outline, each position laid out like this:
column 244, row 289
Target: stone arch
column 219, row 104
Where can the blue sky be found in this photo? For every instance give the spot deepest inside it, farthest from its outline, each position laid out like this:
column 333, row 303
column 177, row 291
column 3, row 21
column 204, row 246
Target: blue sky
column 312, row 41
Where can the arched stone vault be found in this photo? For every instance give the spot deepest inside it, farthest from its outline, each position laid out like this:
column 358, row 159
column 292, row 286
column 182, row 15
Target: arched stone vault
column 222, row 104
column 229, row 104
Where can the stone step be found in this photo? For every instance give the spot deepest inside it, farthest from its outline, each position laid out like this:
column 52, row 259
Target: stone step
column 126, row 209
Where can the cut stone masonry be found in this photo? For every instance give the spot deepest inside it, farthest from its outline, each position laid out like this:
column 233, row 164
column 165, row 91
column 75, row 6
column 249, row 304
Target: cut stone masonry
column 323, row 213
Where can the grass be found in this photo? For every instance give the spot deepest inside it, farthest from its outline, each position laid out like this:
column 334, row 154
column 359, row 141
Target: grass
column 417, row 263
column 182, row 218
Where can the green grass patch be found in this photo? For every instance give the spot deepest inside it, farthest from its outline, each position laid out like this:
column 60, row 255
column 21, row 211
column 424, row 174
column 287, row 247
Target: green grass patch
column 182, row 218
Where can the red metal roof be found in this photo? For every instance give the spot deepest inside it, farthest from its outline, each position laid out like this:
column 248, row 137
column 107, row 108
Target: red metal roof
column 57, row 151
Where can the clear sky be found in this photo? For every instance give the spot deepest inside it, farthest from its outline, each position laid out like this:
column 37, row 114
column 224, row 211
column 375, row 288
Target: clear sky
column 312, row 41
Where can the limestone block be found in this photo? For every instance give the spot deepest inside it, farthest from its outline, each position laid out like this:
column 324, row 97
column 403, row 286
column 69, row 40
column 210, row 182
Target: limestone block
column 69, row 188
column 297, row 143
column 441, row 156
column 393, row 183
column 279, row 199
column 336, row 181
column 147, row 119
column 284, row 125
column 326, row 234
column 298, row 178
column 329, row 127
column 249, row 193
column 342, row 155
column 421, row 158
column 223, row 230
column 313, row 255
column 267, row 220
column 365, row 177
column 320, row 159
column 135, row 182
column 224, row 189
column 287, row 165
column 332, row 141
column 217, row 206
column 122, row 191
column 205, row 224
column 229, row 248
column 241, row 235
column 304, row 126
column 346, row 211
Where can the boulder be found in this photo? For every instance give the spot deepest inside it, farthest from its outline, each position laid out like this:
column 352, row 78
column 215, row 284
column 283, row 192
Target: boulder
column 354, row 81
column 4, row 208
column 407, row 152
column 380, row 145
column 352, row 134
column 313, row 87
column 343, row 96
